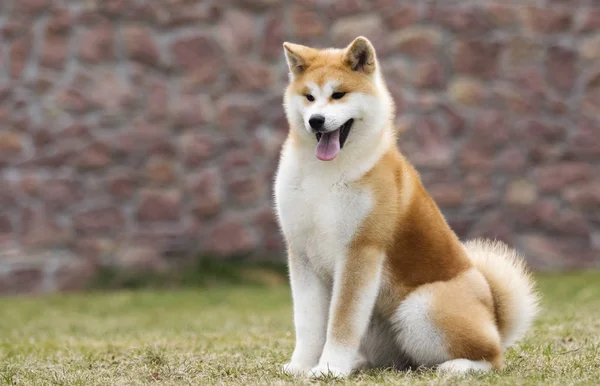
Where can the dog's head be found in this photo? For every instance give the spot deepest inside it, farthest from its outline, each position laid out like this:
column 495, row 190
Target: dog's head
column 336, row 97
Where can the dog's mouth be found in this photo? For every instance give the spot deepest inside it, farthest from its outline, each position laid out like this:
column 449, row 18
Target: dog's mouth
column 329, row 144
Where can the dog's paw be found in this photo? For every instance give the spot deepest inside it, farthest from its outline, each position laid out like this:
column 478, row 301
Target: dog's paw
column 295, row 369
column 329, row 371
column 458, row 366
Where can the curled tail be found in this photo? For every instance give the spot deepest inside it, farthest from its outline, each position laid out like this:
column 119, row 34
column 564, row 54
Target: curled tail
column 515, row 299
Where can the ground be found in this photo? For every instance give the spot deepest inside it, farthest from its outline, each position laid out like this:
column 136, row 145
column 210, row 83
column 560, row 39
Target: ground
column 241, row 334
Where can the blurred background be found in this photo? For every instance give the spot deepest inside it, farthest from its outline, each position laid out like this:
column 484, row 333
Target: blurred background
column 140, row 135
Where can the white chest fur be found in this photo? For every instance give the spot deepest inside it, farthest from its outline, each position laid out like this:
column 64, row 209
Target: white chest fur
column 320, row 210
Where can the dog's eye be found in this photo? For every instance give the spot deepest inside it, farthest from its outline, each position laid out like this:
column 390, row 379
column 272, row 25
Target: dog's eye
column 310, row 98
column 338, row 95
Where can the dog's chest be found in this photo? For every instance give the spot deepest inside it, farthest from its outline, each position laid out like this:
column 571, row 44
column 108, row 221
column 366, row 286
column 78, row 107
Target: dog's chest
column 320, row 215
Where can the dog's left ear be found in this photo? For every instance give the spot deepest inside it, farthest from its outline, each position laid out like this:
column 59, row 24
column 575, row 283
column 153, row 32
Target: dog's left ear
column 360, row 56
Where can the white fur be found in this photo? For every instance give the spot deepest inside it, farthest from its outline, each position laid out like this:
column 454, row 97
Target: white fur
column 336, row 361
column 311, row 301
column 464, row 366
column 319, row 214
column 418, row 337
column 336, row 114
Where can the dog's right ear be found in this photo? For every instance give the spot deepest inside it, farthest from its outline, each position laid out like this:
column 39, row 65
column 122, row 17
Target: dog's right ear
column 297, row 57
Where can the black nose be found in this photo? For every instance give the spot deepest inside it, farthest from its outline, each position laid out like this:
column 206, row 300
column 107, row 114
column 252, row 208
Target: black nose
column 316, row 121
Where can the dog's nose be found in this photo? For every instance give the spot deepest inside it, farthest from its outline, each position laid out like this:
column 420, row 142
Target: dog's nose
column 316, row 121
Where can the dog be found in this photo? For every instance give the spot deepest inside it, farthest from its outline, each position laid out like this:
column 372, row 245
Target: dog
column 378, row 278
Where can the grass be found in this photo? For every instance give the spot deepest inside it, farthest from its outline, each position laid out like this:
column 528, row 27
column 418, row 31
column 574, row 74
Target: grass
column 242, row 333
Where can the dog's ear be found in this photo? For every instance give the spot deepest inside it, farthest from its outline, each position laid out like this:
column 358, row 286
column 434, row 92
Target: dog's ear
column 360, row 55
column 297, row 57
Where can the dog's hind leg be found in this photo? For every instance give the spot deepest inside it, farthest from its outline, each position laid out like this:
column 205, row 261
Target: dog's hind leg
column 450, row 324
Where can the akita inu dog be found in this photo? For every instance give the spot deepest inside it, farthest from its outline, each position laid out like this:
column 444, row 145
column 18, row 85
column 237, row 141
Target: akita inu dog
column 378, row 277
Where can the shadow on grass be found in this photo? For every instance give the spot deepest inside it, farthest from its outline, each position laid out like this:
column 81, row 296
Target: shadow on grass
column 204, row 272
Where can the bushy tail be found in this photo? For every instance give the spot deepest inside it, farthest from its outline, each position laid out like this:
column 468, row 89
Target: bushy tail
column 515, row 299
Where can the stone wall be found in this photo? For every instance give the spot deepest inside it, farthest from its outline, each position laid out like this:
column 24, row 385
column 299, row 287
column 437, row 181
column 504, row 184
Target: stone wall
column 135, row 133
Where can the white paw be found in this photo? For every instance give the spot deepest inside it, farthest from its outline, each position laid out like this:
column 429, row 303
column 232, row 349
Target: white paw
column 463, row 366
column 295, row 369
column 329, row 371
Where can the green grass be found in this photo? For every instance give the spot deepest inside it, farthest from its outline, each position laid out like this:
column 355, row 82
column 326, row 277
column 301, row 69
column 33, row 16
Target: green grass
column 241, row 334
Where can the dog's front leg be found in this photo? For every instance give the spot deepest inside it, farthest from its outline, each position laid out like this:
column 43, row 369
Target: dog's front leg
column 355, row 290
column 311, row 301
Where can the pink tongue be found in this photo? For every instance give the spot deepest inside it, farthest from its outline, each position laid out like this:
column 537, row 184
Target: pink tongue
column 328, row 146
